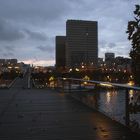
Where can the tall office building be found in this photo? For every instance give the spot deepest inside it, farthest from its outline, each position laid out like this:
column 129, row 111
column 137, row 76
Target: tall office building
column 60, row 57
column 81, row 43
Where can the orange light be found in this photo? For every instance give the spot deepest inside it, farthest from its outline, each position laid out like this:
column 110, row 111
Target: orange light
column 107, row 85
column 131, row 83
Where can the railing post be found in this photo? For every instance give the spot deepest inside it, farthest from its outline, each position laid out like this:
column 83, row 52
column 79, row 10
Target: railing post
column 63, row 85
column 69, row 86
column 127, row 117
column 80, row 85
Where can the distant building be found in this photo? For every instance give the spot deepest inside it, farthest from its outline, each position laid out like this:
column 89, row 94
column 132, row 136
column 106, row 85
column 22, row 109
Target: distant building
column 23, row 67
column 60, row 42
column 12, row 61
column 123, row 63
column 81, row 43
column 109, row 56
column 121, row 60
column 8, row 61
column 100, row 62
column 109, row 59
column 2, row 61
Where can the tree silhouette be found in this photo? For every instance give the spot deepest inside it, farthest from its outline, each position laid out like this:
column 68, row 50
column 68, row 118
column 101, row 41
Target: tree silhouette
column 133, row 31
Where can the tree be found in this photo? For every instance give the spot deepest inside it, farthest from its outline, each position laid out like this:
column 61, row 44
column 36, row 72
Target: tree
column 133, row 31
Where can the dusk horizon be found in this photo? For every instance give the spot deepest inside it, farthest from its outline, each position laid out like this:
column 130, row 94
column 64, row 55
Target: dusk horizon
column 27, row 31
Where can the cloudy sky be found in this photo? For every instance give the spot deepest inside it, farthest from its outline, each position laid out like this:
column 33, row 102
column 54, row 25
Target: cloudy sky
column 28, row 27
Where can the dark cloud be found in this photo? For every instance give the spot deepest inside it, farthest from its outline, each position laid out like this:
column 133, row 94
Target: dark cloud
column 9, row 48
column 48, row 49
column 106, row 44
column 7, row 51
column 8, row 54
column 35, row 35
column 8, row 32
column 111, row 45
column 33, row 10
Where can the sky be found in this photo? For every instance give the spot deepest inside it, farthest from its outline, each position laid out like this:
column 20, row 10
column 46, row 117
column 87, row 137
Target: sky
column 28, row 27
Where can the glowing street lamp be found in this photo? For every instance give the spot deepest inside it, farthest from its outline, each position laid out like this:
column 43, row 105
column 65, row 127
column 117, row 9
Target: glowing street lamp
column 131, row 76
column 9, row 67
column 83, row 67
column 77, row 69
column 70, row 70
column 130, row 83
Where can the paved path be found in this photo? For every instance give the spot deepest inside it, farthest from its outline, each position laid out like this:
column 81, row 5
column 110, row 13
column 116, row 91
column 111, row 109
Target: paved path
column 35, row 114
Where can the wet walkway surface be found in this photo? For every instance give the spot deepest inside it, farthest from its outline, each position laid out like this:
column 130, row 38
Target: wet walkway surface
column 43, row 114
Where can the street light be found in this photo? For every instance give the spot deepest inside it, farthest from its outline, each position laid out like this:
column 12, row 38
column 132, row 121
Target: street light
column 70, row 70
column 77, row 69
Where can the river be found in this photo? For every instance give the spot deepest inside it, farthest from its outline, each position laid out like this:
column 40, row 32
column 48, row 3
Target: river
column 111, row 102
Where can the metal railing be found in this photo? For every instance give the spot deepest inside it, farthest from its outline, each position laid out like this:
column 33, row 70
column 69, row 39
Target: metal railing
column 101, row 84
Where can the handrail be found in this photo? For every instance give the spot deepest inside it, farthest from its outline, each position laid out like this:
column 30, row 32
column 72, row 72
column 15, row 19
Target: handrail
column 106, row 84
column 109, row 84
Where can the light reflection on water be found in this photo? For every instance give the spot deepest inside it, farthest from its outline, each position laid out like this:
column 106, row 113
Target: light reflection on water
column 110, row 102
column 131, row 93
column 110, row 95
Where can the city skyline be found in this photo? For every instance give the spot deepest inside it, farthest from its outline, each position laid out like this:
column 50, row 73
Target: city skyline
column 27, row 31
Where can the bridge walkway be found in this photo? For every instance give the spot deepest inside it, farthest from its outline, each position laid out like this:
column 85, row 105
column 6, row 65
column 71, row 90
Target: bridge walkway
column 43, row 114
